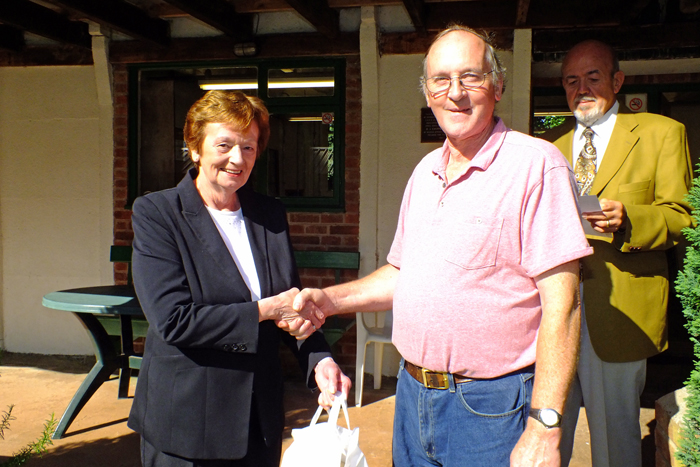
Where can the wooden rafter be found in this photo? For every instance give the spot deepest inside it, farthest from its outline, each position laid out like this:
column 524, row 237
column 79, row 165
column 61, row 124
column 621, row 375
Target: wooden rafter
column 11, row 38
column 649, row 37
column 630, row 25
column 222, row 48
column 218, row 14
column 319, row 14
column 416, row 10
column 521, row 13
column 631, row 9
column 121, row 16
column 44, row 22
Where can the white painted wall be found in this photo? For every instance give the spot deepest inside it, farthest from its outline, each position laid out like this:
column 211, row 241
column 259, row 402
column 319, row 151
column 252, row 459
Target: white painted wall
column 51, row 197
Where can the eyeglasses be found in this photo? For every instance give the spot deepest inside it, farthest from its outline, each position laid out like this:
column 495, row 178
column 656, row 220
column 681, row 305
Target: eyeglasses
column 438, row 85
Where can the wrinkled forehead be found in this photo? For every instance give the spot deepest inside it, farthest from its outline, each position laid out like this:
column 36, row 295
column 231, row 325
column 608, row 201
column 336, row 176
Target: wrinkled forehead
column 457, row 51
column 587, row 60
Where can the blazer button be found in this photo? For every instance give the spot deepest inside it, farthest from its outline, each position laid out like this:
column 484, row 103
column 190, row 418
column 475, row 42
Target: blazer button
column 234, row 347
column 243, row 347
column 227, row 348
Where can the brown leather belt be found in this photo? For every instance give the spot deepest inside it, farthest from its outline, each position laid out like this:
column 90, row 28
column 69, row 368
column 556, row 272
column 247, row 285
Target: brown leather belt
column 432, row 379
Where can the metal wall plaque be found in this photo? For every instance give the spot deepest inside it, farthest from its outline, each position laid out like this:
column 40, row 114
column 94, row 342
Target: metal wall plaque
column 430, row 131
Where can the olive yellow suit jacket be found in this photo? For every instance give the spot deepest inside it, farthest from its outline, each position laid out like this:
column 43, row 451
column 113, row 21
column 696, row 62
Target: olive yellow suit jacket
column 646, row 167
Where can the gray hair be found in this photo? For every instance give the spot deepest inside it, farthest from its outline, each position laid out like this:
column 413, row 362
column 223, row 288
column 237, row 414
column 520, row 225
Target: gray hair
column 499, row 71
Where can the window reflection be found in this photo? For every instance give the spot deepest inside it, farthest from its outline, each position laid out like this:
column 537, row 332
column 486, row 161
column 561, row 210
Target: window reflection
column 238, row 78
column 301, row 82
column 301, row 155
column 303, row 167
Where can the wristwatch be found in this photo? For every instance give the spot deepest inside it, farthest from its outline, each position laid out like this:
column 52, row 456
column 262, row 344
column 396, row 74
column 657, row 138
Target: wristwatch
column 550, row 418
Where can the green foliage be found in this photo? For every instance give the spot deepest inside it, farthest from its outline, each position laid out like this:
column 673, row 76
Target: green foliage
column 542, row 124
column 5, row 421
column 688, row 290
column 38, row 447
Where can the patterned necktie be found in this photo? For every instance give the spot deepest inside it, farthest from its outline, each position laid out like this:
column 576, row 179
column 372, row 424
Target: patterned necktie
column 585, row 169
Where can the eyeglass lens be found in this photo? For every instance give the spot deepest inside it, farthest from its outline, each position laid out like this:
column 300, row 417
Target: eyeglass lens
column 467, row 80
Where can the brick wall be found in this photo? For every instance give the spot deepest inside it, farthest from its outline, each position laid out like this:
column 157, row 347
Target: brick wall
column 122, row 217
column 339, row 231
column 325, row 231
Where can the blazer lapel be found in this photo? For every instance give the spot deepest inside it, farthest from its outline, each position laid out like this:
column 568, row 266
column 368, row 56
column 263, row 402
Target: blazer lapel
column 621, row 143
column 202, row 225
column 565, row 144
column 257, row 235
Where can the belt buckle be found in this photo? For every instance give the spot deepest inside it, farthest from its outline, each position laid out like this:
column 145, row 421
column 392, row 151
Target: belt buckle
column 433, row 384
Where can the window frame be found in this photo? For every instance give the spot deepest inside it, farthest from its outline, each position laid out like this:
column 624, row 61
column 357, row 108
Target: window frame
column 275, row 105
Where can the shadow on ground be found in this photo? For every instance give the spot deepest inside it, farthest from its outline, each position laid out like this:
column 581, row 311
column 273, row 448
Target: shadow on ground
column 121, row 452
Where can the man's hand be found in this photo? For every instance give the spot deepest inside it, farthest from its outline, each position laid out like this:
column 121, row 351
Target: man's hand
column 279, row 309
column 612, row 219
column 330, row 380
column 538, row 447
column 314, row 302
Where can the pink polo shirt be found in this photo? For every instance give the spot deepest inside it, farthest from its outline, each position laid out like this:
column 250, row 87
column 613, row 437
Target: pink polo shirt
column 469, row 251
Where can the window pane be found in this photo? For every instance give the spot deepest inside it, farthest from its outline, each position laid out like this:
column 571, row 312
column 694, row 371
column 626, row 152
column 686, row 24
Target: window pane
column 302, row 167
column 549, row 112
column 300, row 156
column 237, row 78
column 165, row 96
column 301, row 82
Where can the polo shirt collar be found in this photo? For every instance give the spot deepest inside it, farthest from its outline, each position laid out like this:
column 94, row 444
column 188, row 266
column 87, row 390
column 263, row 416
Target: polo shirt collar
column 483, row 159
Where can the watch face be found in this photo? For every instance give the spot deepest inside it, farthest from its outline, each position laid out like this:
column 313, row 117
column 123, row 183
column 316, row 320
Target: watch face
column 549, row 417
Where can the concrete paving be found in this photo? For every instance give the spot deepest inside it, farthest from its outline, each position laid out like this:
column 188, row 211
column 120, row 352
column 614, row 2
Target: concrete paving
column 41, row 385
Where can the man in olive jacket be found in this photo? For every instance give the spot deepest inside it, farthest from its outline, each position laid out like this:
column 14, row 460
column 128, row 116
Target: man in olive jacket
column 642, row 175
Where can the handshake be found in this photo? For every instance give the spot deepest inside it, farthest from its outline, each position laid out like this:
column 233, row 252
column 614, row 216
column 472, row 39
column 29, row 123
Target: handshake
column 300, row 313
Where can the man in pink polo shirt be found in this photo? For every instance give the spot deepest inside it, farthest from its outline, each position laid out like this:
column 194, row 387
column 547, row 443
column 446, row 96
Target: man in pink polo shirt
column 482, row 279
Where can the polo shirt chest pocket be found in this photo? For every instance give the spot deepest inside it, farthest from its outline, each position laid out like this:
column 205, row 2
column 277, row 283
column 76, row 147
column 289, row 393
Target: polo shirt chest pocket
column 475, row 243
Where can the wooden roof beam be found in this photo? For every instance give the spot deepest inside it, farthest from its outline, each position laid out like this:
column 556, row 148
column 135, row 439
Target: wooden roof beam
column 621, row 38
column 521, row 13
column 416, row 10
column 11, row 38
column 44, row 22
column 121, row 16
column 319, row 14
column 218, row 14
column 631, row 9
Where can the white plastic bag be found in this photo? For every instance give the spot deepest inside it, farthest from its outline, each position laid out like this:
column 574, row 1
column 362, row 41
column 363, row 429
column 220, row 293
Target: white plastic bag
column 326, row 444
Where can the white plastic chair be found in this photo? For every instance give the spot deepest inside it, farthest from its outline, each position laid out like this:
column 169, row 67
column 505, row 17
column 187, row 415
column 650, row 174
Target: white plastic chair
column 379, row 334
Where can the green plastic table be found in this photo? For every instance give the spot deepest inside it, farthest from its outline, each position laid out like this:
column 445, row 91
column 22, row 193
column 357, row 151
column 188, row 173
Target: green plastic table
column 87, row 304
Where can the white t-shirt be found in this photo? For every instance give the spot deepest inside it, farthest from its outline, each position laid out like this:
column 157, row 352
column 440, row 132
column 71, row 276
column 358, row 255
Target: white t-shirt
column 231, row 226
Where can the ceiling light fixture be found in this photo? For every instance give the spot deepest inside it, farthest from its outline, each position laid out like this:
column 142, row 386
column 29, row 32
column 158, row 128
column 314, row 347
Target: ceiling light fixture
column 287, row 83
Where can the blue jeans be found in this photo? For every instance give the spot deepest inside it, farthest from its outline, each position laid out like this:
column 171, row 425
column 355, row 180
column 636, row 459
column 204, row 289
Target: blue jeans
column 471, row 424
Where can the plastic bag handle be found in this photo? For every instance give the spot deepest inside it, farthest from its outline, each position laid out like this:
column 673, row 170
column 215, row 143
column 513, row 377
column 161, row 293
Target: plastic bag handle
column 334, row 413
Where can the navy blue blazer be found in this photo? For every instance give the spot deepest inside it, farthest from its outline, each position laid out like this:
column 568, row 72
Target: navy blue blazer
column 207, row 359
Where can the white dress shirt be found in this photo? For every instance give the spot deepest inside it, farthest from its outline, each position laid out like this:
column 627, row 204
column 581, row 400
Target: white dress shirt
column 602, row 132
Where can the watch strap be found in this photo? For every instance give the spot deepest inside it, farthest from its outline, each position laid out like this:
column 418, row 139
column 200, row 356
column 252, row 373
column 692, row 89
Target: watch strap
column 537, row 415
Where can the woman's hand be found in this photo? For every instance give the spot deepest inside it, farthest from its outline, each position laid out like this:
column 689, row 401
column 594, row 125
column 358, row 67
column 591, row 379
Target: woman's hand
column 330, row 380
column 279, row 309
